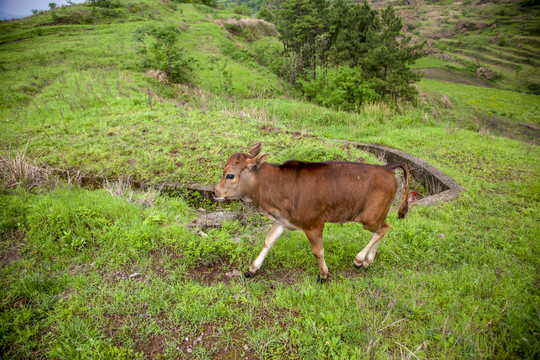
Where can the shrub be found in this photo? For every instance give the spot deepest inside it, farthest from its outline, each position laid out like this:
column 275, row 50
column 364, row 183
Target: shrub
column 533, row 87
column 342, row 88
column 267, row 50
column 159, row 52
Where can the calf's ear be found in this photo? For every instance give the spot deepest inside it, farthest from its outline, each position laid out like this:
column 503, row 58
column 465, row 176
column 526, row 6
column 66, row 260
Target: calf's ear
column 254, row 164
column 255, row 149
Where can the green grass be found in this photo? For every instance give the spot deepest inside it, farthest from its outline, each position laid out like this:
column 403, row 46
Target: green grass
column 429, row 62
column 118, row 273
column 508, row 104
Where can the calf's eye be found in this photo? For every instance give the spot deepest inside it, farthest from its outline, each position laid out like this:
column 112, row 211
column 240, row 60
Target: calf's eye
column 229, row 176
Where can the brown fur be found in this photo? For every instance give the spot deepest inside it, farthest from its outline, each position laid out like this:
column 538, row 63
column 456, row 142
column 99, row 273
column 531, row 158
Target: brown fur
column 304, row 196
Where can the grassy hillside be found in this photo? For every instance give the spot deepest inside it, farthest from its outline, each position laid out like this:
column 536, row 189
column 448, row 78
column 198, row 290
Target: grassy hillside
column 116, row 272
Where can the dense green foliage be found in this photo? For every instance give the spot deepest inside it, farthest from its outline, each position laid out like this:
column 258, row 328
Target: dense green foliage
column 317, row 34
column 341, row 88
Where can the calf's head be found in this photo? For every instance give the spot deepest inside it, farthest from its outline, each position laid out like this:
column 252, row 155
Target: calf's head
column 238, row 174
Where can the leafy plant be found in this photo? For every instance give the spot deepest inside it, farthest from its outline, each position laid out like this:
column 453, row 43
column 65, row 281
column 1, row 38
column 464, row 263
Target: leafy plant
column 159, row 51
column 343, row 88
column 223, row 75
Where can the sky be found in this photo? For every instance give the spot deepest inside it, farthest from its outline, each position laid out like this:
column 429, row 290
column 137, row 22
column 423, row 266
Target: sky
column 24, row 7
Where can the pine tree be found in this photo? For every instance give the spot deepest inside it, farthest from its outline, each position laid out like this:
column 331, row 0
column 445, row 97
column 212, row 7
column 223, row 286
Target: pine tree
column 348, row 28
column 388, row 56
column 301, row 24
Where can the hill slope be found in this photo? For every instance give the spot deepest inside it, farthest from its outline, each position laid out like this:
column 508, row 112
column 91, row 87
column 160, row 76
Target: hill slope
column 496, row 41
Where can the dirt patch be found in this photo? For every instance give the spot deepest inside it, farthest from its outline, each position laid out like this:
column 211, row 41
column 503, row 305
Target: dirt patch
column 9, row 256
column 221, row 271
column 10, row 246
column 276, row 277
column 114, row 322
column 151, row 346
column 214, row 219
column 453, row 77
column 209, row 335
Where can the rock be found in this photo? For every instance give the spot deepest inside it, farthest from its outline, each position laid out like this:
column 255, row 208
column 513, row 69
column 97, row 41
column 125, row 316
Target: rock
column 234, row 273
column 215, row 219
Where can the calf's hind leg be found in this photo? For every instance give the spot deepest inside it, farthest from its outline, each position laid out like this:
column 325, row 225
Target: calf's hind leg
column 315, row 237
column 366, row 256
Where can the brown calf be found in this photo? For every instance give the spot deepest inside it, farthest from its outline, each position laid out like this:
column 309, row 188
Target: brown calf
column 304, row 196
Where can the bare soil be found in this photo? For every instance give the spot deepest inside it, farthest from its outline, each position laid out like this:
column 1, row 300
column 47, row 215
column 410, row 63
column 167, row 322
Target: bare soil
column 9, row 247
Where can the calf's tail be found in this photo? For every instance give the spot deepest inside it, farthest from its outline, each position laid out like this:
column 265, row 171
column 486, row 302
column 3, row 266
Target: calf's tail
column 404, row 207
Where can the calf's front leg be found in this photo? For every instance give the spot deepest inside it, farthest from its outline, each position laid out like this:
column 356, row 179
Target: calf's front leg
column 271, row 238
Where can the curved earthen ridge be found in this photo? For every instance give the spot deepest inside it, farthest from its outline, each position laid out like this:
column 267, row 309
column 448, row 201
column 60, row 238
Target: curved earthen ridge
column 442, row 186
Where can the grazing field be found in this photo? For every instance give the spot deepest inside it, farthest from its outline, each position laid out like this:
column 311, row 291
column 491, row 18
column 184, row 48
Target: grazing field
column 97, row 260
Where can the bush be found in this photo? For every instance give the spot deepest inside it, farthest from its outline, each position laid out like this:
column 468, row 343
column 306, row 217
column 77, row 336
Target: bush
column 342, row 88
column 159, row 52
column 533, row 87
column 267, row 50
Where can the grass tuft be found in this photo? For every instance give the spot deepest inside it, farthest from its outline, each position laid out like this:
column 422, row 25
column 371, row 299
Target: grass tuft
column 18, row 169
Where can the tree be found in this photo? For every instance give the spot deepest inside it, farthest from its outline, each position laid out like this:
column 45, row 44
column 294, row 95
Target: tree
column 389, row 55
column 321, row 34
column 348, row 29
column 301, row 24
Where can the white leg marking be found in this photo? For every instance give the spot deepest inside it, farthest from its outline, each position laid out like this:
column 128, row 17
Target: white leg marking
column 359, row 259
column 371, row 255
column 271, row 238
column 323, row 269
column 366, row 256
